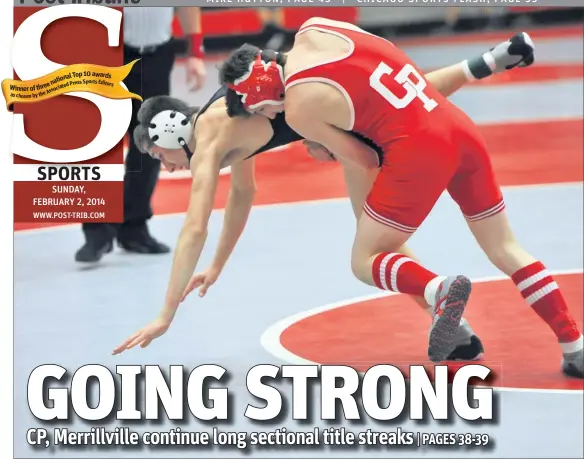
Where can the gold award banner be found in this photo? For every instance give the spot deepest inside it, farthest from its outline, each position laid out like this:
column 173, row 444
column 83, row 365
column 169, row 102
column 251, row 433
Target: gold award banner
column 96, row 79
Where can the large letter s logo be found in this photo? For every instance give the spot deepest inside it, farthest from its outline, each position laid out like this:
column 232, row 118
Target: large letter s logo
column 29, row 63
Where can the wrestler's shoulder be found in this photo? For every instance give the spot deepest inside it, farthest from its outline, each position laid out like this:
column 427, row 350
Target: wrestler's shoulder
column 214, row 119
column 248, row 132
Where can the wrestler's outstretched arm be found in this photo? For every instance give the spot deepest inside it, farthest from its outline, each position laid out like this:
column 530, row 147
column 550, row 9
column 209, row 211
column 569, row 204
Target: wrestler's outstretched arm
column 237, row 209
column 205, row 167
column 241, row 194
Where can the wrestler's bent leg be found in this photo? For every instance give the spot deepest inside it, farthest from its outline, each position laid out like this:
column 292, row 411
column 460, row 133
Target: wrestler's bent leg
column 402, row 196
column 359, row 183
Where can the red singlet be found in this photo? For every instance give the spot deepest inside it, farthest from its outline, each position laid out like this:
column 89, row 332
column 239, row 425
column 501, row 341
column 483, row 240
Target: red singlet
column 429, row 144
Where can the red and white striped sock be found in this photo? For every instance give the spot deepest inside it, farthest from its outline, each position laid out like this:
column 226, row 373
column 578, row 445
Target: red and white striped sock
column 398, row 273
column 538, row 288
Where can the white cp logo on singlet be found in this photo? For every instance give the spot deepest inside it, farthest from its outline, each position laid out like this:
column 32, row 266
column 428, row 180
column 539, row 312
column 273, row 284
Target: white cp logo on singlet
column 414, row 90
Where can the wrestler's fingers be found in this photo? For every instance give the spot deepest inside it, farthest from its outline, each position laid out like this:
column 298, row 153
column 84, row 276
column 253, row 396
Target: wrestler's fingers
column 203, row 289
column 136, row 341
column 193, row 284
column 122, row 347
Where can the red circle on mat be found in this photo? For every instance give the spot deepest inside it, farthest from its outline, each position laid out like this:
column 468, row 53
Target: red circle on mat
column 519, row 347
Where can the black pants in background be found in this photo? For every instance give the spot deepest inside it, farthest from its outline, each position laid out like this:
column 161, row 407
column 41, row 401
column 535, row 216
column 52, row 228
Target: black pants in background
column 149, row 77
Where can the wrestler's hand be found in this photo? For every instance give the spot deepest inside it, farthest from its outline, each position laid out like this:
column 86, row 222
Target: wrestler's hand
column 144, row 336
column 517, row 51
column 202, row 281
column 318, row 152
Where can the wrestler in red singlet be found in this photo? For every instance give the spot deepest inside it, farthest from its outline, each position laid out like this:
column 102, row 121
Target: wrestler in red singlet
column 430, row 145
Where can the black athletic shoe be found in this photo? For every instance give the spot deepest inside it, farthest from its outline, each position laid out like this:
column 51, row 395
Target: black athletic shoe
column 92, row 251
column 137, row 239
column 472, row 350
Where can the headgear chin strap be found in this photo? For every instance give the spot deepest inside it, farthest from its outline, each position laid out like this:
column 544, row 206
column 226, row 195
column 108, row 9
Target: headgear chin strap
column 171, row 129
column 263, row 84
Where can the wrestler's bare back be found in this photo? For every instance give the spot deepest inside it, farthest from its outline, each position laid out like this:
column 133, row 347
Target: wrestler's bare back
column 312, row 48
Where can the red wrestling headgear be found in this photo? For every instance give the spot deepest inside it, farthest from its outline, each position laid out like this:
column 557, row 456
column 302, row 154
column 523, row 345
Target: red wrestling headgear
column 262, row 85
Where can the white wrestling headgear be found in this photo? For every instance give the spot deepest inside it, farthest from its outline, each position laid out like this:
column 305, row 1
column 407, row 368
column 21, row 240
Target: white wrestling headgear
column 171, row 129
